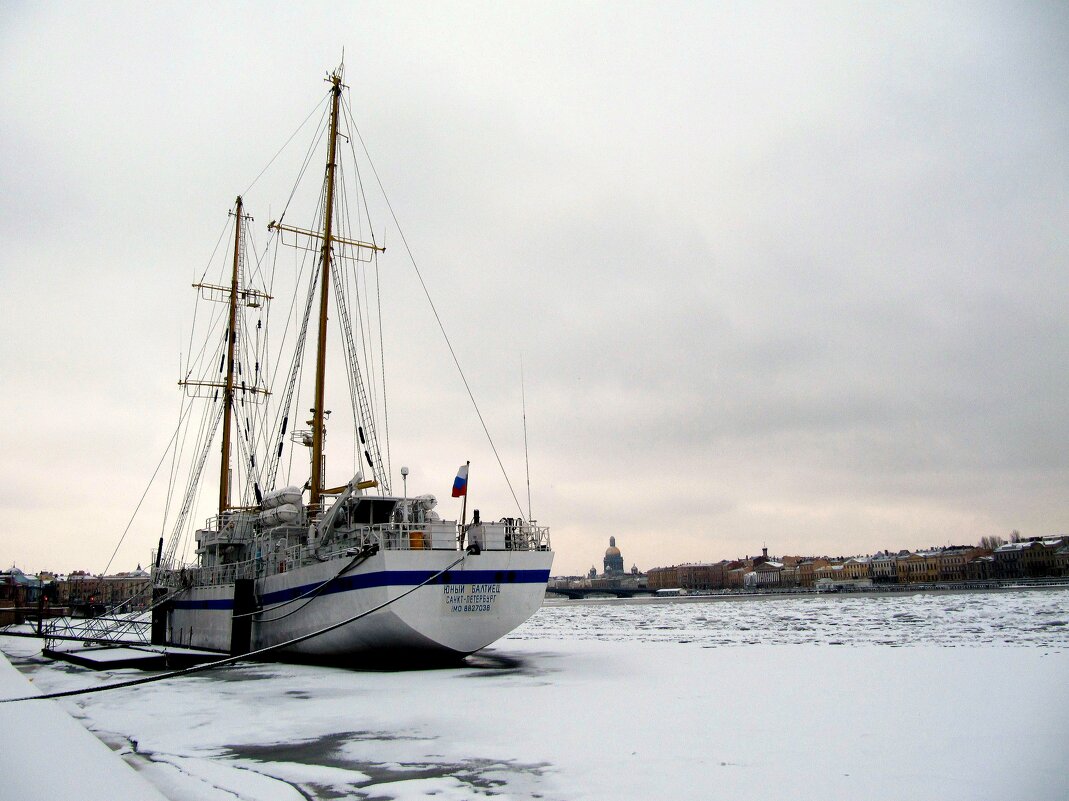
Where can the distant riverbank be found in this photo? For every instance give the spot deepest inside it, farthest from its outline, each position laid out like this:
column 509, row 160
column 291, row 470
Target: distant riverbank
column 1003, row 585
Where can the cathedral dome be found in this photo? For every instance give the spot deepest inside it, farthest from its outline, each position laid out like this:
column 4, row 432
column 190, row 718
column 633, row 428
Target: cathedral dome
column 614, row 561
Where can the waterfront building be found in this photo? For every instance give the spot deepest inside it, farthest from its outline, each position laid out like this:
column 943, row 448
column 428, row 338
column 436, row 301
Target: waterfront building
column 850, row 573
column 829, row 572
column 734, row 576
column 1031, row 559
column 883, row 568
column 807, row 568
column 18, row 592
column 689, row 577
column 1048, row 564
column 1008, row 560
column 921, row 567
column 88, row 593
column 910, row 567
column 931, row 566
column 1061, row 561
column 696, row 577
column 856, row 568
column 718, row 577
column 17, row 587
column 663, row 578
column 980, row 568
column 952, row 561
column 788, row 577
column 767, row 574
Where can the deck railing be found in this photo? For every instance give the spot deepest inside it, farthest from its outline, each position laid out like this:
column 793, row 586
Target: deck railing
column 278, row 557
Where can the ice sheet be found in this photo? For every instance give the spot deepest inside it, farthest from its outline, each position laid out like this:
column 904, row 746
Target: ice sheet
column 931, row 697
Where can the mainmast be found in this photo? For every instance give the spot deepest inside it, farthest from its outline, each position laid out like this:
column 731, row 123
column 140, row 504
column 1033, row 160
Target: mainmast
column 328, row 240
column 324, row 297
column 228, row 390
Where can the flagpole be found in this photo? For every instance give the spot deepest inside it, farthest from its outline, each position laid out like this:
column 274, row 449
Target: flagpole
column 464, row 506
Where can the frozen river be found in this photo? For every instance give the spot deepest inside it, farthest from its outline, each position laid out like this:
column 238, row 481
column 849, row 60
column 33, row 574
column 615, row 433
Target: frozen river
column 926, row 696
column 1008, row 617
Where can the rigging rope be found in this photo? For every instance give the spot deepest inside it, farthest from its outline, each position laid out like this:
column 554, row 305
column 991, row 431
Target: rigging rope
column 173, row 472
column 193, row 327
column 441, row 325
column 382, row 368
column 279, row 153
column 350, row 123
column 361, row 409
column 365, row 323
column 137, row 508
column 285, row 409
column 191, row 492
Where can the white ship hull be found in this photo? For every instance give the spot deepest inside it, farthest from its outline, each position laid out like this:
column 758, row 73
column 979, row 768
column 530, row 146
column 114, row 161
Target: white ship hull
column 474, row 604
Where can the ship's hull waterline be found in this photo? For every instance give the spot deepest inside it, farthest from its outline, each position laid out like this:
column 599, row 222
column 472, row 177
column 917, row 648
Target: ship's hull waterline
column 473, row 604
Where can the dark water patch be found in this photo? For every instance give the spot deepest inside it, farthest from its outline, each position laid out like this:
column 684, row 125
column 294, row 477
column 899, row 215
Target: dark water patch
column 500, row 663
column 325, row 751
column 482, row 776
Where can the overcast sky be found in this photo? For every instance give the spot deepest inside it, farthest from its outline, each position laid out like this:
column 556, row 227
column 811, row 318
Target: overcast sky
column 780, row 274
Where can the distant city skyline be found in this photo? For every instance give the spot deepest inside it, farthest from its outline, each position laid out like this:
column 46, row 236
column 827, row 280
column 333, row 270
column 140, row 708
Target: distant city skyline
column 613, row 560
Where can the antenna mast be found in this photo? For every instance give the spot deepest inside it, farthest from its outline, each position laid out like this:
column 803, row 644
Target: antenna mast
column 526, row 460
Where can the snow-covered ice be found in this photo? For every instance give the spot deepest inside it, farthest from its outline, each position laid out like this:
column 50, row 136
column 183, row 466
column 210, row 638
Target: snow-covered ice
column 922, row 696
column 1005, row 617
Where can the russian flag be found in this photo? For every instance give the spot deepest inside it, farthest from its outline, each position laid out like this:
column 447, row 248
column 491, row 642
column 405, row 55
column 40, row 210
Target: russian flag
column 460, row 483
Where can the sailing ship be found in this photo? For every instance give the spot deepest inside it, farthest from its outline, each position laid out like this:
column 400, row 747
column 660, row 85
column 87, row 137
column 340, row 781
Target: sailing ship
column 350, row 573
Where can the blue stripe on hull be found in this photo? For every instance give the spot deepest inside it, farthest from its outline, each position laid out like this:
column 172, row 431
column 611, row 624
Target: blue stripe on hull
column 383, row 578
column 220, row 603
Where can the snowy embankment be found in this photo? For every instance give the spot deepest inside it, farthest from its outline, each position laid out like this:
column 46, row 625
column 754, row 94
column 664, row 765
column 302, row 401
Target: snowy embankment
column 636, row 701
column 47, row 753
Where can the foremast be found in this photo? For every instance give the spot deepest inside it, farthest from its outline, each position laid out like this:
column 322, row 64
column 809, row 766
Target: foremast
column 227, row 383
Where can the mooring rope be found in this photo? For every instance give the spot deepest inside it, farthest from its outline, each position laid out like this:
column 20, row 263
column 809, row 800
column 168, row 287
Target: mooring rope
column 232, row 659
column 365, row 554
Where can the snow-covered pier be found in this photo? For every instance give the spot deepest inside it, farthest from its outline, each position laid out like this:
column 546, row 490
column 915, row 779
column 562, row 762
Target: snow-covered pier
column 47, row 753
